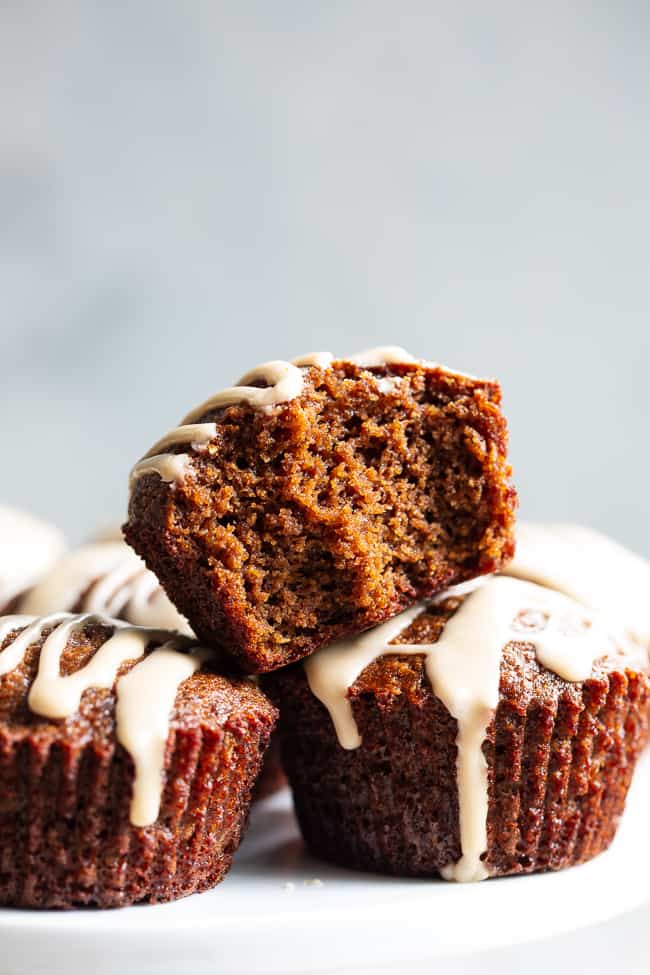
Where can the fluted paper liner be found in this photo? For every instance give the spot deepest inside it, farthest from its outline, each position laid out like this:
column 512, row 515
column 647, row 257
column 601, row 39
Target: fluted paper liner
column 560, row 760
column 65, row 834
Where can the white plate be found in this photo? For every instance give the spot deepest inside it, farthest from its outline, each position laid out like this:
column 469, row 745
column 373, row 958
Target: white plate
column 280, row 911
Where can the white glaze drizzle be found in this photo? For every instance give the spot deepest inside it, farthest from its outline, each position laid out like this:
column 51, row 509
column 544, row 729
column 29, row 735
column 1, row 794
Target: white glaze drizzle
column 321, row 360
column 382, row 355
column 172, row 468
column 145, row 698
column 332, row 670
column 145, row 694
column 13, row 654
column 195, row 434
column 463, row 667
column 54, row 696
column 591, row 568
column 28, row 547
column 283, row 382
column 386, row 355
column 106, row 578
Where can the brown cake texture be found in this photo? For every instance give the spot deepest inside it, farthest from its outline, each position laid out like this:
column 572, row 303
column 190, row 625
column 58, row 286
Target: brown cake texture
column 560, row 758
column 331, row 512
column 66, row 836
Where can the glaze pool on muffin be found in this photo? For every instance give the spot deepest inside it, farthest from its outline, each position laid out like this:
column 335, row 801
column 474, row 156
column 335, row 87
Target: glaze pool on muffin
column 591, row 568
column 481, row 735
column 320, row 497
column 28, row 548
column 127, row 762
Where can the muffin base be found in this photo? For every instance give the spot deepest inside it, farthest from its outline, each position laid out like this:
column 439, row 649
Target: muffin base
column 560, row 760
column 66, row 837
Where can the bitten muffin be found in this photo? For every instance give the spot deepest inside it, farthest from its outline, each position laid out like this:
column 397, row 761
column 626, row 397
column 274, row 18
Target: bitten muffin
column 480, row 736
column 127, row 763
column 107, row 578
column 28, row 548
column 318, row 498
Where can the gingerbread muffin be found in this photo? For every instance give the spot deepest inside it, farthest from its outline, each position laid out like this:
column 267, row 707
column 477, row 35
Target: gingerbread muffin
column 110, row 579
column 28, row 548
column 127, row 763
column 477, row 736
column 318, row 498
column 107, row 578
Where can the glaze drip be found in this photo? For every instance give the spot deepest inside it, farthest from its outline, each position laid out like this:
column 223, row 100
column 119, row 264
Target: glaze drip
column 145, row 698
column 54, row 696
column 463, row 668
column 145, row 694
column 106, row 578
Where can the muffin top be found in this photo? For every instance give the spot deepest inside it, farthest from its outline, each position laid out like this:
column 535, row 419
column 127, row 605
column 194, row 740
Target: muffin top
column 85, row 679
column 272, row 384
column 461, row 643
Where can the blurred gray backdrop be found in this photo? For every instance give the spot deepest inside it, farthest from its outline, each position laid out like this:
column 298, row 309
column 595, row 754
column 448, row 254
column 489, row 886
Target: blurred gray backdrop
column 189, row 188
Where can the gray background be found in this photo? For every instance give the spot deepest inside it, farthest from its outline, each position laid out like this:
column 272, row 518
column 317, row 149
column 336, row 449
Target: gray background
column 187, row 189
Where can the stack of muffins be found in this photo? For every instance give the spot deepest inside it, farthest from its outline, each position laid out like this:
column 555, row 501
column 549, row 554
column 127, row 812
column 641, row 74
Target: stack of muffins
column 333, row 541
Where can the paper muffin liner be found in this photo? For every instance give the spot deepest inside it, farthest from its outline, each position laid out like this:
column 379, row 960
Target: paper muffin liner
column 560, row 760
column 560, row 771
column 65, row 835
